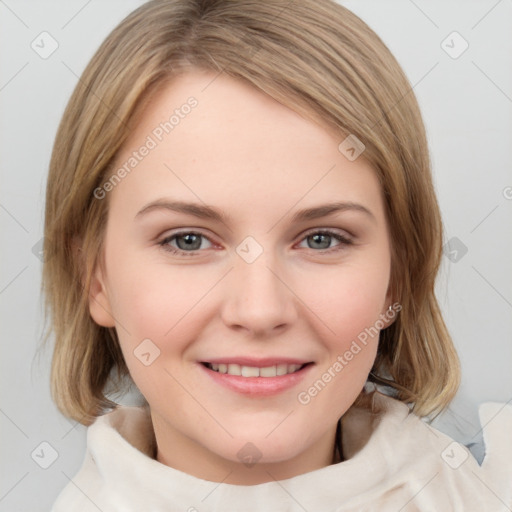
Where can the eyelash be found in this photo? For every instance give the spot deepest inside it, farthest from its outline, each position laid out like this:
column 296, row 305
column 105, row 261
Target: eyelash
column 344, row 241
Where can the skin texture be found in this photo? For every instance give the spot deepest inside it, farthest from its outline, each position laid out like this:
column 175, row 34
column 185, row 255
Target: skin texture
column 242, row 152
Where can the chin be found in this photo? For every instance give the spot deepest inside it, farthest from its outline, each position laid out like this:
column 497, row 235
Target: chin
column 261, row 450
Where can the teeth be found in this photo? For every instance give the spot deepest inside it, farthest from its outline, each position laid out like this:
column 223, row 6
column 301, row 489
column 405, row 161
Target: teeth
column 234, row 369
column 282, row 369
column 253, row 371
column 250, row 371
column 269, row 371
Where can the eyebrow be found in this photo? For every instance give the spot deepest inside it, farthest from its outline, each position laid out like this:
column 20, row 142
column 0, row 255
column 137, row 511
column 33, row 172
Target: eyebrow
column 203, row 211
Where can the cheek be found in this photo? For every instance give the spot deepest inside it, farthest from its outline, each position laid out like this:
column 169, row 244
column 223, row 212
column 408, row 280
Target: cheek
column 348, row 300
column 152, row 300
column 349, row 308
column 172, row 306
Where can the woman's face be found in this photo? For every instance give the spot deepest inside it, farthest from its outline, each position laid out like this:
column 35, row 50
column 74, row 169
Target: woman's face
column 241, row 239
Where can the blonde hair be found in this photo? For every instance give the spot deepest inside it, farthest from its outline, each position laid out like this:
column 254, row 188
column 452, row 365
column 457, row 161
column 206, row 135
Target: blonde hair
column 315, row 57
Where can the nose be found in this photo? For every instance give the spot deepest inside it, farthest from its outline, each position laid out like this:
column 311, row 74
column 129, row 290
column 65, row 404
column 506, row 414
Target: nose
column 259, row 297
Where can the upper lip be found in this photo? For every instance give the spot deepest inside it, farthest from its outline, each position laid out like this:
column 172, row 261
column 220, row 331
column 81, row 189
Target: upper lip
column 256, row 362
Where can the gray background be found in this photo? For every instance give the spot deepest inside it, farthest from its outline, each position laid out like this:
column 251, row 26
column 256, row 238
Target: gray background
column 467, row 106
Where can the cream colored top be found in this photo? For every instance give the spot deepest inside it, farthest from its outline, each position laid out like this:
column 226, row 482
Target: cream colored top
column 394, row 462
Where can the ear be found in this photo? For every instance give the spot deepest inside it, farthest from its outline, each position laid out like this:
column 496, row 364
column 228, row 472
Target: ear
column 391, row 309
column 99, row 302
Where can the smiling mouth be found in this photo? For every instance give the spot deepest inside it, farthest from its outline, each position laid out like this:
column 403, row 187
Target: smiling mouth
column 254, row 371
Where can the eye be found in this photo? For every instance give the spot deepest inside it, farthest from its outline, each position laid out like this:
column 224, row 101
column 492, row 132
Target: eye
column 322, row 240
column 187, row 242
column 190, row 243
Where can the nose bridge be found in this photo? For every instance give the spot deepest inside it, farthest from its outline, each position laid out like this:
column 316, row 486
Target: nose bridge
column 258, row 299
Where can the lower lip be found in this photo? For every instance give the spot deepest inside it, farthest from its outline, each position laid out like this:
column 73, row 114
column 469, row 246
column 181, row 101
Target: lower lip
column 258, row 386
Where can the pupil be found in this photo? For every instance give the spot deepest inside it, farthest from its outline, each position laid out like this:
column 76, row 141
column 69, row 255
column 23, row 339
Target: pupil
column 191, row 241
column 318, row 240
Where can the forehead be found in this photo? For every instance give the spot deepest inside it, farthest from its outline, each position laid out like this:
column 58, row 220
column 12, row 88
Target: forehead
column 215, row 138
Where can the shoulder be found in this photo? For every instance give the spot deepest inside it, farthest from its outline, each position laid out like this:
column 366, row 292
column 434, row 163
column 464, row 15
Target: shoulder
column 81, row 491
column 115, row 440
column 415, row 449
column 496, row 423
